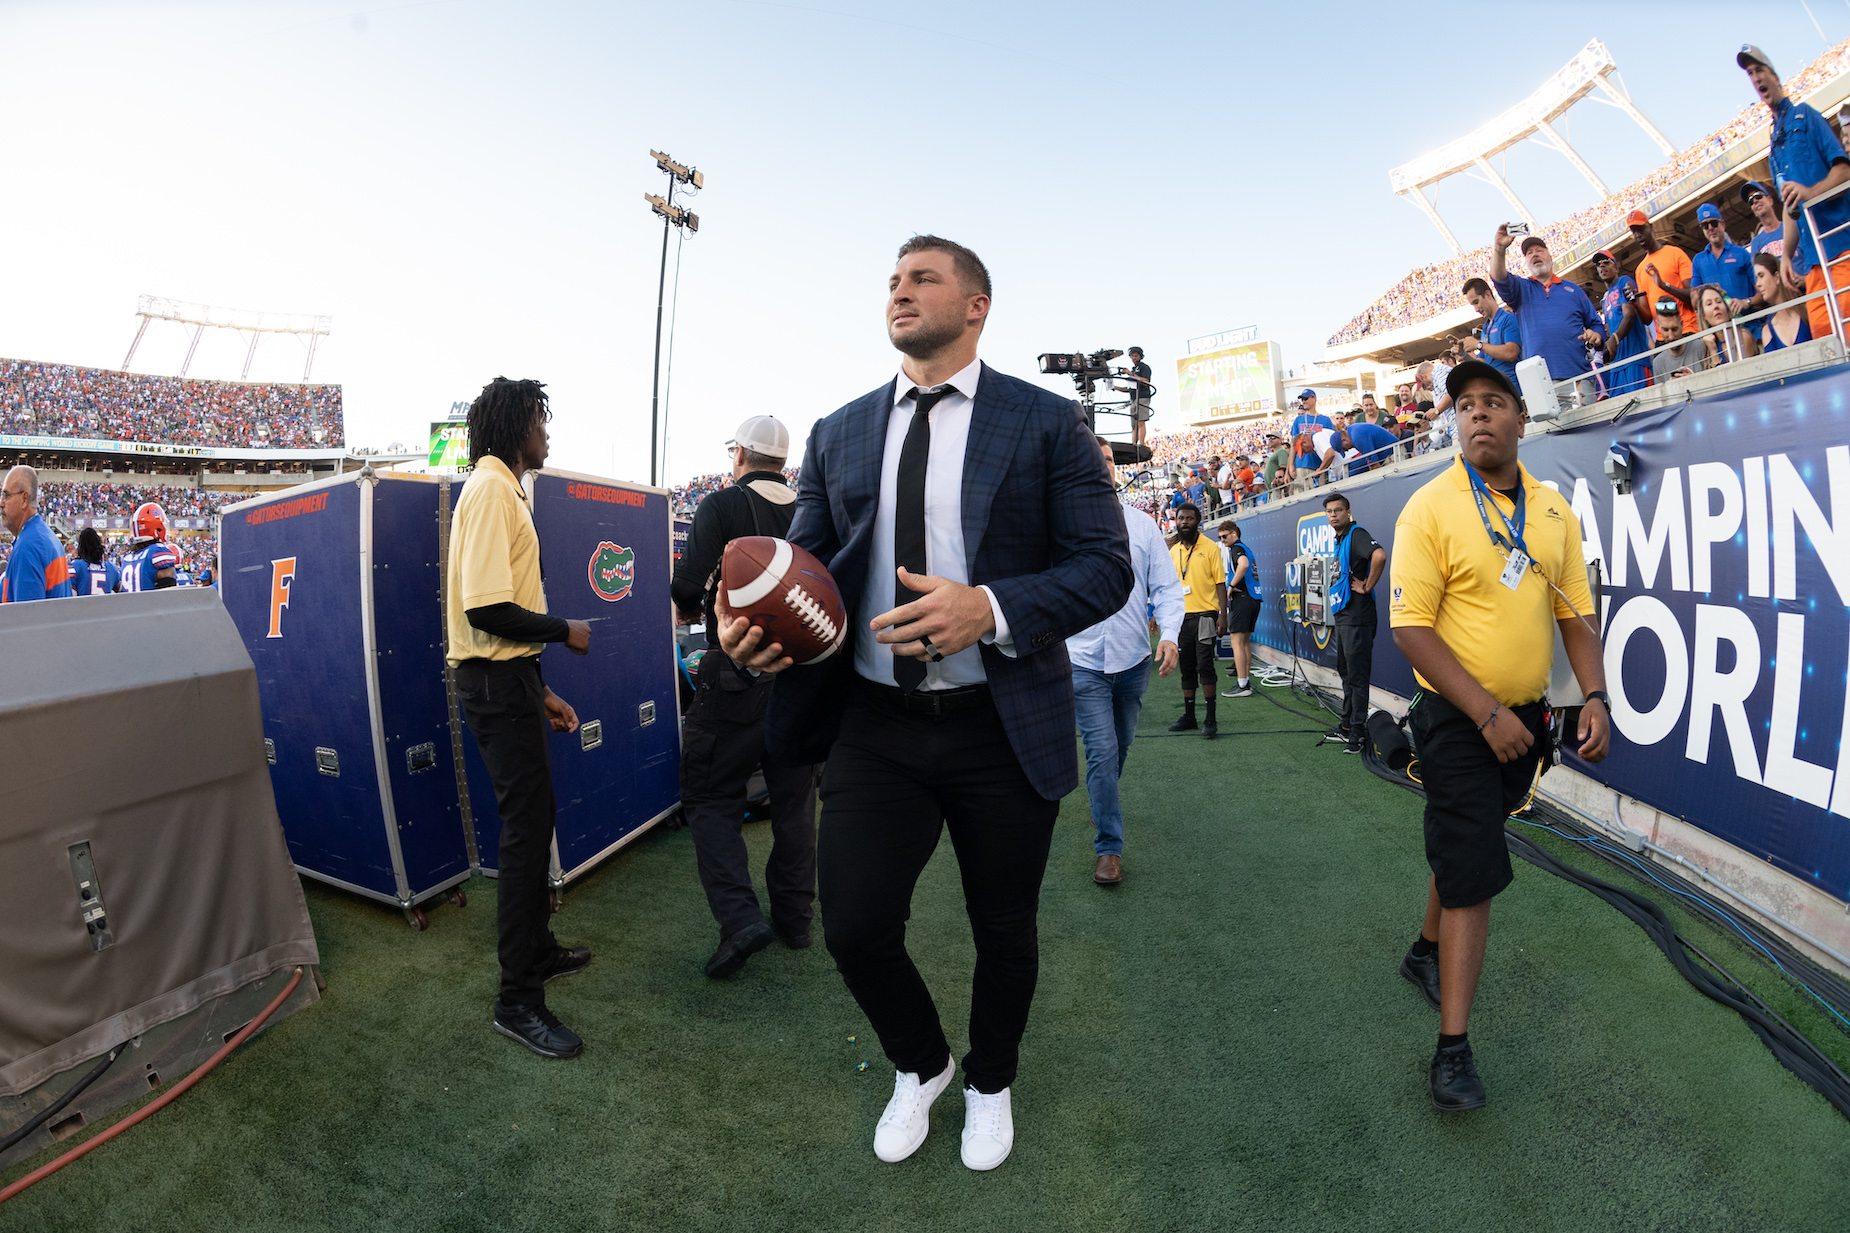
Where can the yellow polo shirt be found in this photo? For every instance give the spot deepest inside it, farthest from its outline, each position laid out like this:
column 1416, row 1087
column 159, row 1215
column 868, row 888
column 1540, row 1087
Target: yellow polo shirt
column 1446, row 575
column 1199, row 568
column 494, row 559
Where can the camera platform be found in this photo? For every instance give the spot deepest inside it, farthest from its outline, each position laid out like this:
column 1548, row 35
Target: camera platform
column 1124, row 454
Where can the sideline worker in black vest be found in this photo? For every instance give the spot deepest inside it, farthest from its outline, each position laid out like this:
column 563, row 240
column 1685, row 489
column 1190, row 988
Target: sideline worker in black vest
column 722, row 738
column 1359, row 562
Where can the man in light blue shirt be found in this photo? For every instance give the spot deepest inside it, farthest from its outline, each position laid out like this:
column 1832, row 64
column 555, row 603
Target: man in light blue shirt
column 1111, row 670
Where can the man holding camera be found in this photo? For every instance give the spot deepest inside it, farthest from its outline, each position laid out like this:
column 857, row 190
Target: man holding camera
column 1139, row 375
column 1557, row 320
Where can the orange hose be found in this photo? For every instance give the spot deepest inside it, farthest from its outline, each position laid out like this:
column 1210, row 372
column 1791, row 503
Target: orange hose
column 46, row 1170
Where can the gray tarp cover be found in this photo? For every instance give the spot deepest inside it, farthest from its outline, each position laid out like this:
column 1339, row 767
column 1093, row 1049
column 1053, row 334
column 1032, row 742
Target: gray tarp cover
column 132, row 722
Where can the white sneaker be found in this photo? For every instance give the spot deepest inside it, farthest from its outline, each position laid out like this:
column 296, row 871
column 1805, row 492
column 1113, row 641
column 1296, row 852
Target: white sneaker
column 908, row 1115
column 989, row 1129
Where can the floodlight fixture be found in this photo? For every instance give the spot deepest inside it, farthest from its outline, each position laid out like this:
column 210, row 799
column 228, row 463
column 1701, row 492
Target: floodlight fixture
column 672, row 216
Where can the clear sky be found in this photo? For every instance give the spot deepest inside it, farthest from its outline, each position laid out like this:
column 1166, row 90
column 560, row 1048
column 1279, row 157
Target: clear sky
column 459, row 183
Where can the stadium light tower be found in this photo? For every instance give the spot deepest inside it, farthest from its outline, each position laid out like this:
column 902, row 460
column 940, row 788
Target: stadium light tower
column 672, row 216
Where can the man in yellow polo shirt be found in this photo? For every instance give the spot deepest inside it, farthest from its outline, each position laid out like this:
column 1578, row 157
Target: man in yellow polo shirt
column 1204, row 614
column 497, row 625
column 1487, row 563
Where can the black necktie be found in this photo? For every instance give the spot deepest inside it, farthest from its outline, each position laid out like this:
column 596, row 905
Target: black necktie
column 909, row 519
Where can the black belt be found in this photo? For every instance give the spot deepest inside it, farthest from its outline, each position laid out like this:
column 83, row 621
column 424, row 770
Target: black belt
column 926, row 701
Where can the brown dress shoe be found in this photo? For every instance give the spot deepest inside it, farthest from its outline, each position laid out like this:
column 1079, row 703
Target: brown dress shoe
column 1107, row 873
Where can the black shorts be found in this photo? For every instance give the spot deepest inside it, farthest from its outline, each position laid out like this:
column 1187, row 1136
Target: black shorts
column 1469, row 795
column 1242, row 612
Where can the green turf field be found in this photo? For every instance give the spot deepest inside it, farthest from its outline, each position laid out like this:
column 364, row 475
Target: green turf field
column 1221, row 1043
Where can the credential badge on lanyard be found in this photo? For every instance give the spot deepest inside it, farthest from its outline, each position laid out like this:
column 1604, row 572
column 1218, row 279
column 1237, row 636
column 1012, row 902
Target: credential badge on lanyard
column 1519, row 562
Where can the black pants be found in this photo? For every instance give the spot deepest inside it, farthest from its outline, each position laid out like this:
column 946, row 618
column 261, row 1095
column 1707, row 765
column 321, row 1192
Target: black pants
column 1355, row 661
column 1469, row 794
column 501, row 700
column 893, row 782
column 722, row 743
column 1197, row 649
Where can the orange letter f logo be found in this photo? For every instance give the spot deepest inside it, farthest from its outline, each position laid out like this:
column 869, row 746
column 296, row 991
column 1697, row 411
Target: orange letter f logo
column 282, row 574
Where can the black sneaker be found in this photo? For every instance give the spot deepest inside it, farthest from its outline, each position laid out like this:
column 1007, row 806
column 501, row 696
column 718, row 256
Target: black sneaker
column 1423, row 971
column 1185, row 724
column 795, row 939
column 1210, row 730
column 1336, row 736
column 538, row 1029
column 1353, row 747
column 735, row 950
column 1454, row 1083
column 1238, row 692
column 563, row 961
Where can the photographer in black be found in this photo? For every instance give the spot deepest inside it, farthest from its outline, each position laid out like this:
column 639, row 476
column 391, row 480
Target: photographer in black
column 1360, row 562
column 1140, row 395
column 722, row 738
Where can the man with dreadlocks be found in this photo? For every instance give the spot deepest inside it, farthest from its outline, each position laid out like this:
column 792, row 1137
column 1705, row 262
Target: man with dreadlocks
column 498, row 625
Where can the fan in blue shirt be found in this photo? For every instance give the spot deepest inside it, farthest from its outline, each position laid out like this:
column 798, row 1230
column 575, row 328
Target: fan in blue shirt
column 1558, row 321
column 1501, row 344
column 37, row 568
column 1627, row 333
column 1724, row 263
column 1375, row 443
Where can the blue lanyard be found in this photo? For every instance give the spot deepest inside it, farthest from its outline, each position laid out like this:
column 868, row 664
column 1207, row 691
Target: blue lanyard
column 1480, row 490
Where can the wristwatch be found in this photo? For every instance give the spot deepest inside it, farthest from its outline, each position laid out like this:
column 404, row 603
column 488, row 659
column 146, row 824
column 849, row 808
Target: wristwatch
column 1604, row 699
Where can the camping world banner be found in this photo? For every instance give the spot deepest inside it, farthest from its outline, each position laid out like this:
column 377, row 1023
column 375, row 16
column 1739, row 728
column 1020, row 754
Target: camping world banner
column 1725, row 610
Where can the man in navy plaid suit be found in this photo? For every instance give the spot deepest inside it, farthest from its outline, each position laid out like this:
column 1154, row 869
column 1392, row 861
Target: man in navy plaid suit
column 971, row 524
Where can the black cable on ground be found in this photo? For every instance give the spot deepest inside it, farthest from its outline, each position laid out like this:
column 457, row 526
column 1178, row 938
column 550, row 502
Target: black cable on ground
column 1789, row 1045
column 45, row 1115
column 1793, row 1050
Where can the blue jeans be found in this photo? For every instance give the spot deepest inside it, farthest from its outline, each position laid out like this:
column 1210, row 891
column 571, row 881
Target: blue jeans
column 1108, row 704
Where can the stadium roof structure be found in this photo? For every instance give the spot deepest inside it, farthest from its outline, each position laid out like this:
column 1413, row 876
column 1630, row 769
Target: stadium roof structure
column 1592, row 69
column 203, row 317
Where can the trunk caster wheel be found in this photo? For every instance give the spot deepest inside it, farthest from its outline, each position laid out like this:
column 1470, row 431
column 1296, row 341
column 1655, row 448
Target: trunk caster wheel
column 416, row 919
column 459, row 897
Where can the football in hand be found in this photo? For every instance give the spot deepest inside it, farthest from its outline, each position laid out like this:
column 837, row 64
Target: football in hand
column 786, row 592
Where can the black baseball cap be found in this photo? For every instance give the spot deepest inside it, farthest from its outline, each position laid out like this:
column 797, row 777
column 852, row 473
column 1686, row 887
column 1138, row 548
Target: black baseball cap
column 1472, row 370
column 1754, row 186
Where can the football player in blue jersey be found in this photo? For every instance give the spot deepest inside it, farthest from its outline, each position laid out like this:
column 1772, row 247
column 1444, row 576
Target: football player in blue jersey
column 151, row 562
column 90, row 574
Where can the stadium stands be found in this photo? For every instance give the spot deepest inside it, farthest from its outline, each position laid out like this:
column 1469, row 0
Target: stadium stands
column 1433, row 289
column 64, row 400
column 687, row 497
column 60, row 499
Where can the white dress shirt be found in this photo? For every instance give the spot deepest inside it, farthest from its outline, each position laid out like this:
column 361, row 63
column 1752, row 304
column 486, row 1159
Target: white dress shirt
column 944, row 532
column 1122, row 640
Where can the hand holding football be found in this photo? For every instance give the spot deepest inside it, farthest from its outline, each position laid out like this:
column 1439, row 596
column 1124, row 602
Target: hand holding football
column 786, row 592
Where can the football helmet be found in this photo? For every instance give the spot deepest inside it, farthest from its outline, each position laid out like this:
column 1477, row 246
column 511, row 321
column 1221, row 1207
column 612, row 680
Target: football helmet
column 150, row 522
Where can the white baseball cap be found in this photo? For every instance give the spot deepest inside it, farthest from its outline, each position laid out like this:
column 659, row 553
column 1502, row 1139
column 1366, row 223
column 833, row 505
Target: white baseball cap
column 762, row 434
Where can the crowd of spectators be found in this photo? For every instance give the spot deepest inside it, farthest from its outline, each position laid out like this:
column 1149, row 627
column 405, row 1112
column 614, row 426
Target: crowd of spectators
column 64, row 400
column 687, row 497
column 1200, row 444
column 1433, row 289
column 63, row 499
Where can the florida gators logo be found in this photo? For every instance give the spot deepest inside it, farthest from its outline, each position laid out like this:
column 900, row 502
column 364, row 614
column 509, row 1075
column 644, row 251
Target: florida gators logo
column 613, row 571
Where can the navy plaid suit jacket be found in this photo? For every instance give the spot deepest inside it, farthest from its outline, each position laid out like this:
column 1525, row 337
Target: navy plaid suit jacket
column 1042, row 529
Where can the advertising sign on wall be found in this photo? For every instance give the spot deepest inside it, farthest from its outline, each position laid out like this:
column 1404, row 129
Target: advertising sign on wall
column 1725, row 611
column 1232, row 383
column 449, row 446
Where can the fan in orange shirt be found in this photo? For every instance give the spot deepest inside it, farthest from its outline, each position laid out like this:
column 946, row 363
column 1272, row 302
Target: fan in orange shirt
column 1665, row 269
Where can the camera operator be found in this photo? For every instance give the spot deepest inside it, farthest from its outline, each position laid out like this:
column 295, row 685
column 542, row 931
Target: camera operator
column 1139, row 375
column 722, row 739
column 1359, row 565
